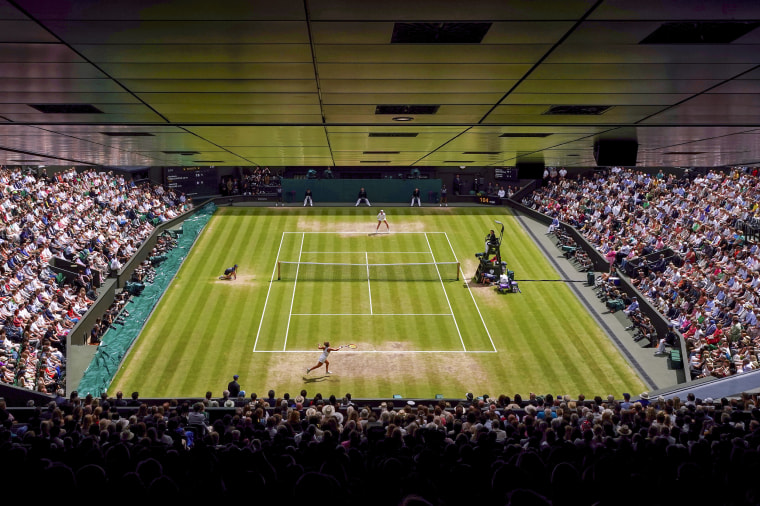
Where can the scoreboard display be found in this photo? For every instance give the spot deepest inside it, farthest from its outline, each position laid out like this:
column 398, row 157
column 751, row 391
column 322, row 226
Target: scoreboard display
column 193, row 181
column 505, row 174
column 489, row 200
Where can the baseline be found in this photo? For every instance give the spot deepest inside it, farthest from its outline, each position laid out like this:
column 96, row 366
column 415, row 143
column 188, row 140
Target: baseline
column 398, row 352
column 344, row 232
column 371, row 314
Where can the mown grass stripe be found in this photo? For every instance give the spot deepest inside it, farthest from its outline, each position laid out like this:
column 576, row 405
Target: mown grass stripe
column 215, row 347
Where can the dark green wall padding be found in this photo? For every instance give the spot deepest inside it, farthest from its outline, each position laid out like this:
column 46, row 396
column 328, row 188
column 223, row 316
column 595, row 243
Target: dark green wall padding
column 347, row 190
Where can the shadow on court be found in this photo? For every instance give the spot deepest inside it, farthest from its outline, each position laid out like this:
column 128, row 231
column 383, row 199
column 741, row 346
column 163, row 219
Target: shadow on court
column 315, row 379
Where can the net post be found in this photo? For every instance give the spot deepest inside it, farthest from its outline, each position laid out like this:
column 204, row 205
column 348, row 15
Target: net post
column 457, row 271
column 278, row 270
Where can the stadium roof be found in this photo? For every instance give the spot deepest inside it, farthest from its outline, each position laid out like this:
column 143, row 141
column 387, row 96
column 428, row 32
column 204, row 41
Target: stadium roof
column 319, row 82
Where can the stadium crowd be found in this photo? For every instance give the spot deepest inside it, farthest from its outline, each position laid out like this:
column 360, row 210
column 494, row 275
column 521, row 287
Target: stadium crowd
column 539, row 450
column 709, row 288
column 259, row 181
column 94, row 219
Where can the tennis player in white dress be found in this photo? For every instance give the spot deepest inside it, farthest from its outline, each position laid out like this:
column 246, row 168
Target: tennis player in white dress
column 326, row 349
column 381, row 219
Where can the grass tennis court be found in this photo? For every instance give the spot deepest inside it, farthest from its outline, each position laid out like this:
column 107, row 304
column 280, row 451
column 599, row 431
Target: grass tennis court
column 419, row 330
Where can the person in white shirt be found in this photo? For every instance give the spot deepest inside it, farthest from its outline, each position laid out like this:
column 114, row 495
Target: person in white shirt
column 382, row 219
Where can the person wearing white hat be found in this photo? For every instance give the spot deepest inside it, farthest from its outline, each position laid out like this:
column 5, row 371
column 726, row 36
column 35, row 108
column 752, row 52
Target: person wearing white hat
column 382, row 219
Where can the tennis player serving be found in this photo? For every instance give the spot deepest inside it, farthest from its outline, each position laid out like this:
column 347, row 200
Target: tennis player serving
column 326, row 349
column 381, row 219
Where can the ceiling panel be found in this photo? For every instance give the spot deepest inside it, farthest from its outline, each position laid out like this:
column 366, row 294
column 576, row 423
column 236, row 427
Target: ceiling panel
column 533, row 114
column 357, row 33
column 62, row 97
column 43, row 70
column 410, row 98
column 602, row 87
column 208, row 70
column 421, row 71
column 14, row 52
column 164, row 9
column 262, row 135
column 385, row 85
column 590, row 98
column 56, row 85
column 214, row 85
column 404, row 53
column 738, row 86
column 282, row 151
column 424, row 142
column 239, row 119
column 24, row 31
column 194, row 53
column 179, row 32
column 640, row 71
column 202, row 108
column 402, row 10
column 297, row 99
column 676, row 10
column 613, row 52
column 249, row 81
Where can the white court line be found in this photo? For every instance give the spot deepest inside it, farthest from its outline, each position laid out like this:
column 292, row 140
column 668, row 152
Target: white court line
column 443, row 287
column 371, row 314
column 271, row 280
column 373, row 252
column 352, row 232
column 399, row 352
column 369, row 285
column 471, row 295
column 293, row 298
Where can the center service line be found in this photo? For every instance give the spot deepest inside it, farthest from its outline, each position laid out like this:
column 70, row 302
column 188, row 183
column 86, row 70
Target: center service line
column 369, row 286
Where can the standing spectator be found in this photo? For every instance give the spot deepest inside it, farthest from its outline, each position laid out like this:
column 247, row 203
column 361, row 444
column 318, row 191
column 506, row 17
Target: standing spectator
column 457, row 185
column 234, row 387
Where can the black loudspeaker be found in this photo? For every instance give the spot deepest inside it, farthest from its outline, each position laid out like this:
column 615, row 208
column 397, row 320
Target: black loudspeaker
column 615, row 152
column 528, row 170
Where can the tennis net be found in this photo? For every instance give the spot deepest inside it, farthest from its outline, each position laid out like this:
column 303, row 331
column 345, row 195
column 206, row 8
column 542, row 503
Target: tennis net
column 318, row 271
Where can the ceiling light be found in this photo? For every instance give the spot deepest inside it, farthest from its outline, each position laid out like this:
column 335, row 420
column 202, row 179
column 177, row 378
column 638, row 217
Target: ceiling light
column 393, row 134
column 403, row 118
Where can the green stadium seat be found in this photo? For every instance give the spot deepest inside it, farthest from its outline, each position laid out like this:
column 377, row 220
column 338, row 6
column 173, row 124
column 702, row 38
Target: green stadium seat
column 675, row 359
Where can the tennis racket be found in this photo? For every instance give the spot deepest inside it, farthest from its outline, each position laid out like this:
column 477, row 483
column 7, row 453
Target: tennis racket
column 349, row 346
